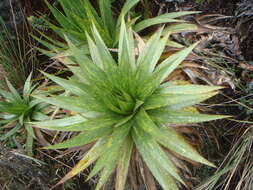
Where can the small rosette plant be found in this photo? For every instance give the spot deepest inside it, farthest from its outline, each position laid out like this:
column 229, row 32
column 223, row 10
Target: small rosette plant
column 124, row 107
column 75, row 18
column 18, row 110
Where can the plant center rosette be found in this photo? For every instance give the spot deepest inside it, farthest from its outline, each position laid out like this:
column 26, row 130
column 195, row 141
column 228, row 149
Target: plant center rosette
column 123, row 108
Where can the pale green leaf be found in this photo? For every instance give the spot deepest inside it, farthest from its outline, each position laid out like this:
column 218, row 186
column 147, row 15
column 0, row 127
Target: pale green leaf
column 128, row 5
column 110, row 154
column 186, row 89
column 161, row 175
column 173, row 141
column 126, row 55
column 63, row 20
column 107, row 15
column 60, row 124
column 169, row 138
column 175, row 101
column 105, row 174
column 108, row 61
column 14, row 92
column 70, row 103
column 79, row 123
column 162, row 71
column 150, row 146
column 27, row 88
column 182, row 27
column 7, row 95
column 75, row 87
column 151, row 54
column 171, row 43
column 123, row 164
column 167, row 116
column 83, row 138
column 171, row 63
column 29, row 140
column 164, row 18
column 97, row 59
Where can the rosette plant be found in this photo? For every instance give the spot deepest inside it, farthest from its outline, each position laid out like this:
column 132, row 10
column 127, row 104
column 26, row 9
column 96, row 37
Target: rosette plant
column 17, row 110
column 75, row 18
column 123, row 107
